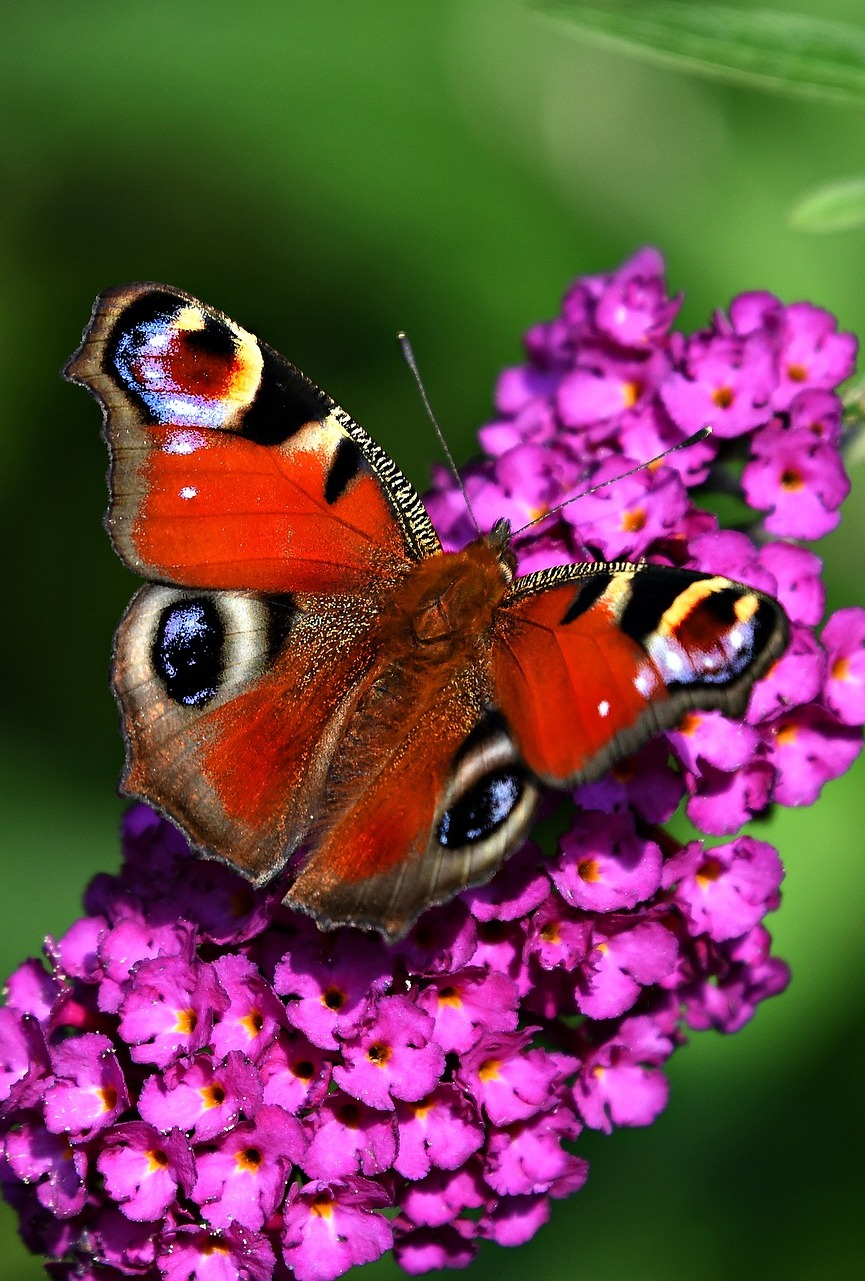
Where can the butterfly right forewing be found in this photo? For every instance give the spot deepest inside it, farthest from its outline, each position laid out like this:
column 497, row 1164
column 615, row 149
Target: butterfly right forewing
column 590, row 660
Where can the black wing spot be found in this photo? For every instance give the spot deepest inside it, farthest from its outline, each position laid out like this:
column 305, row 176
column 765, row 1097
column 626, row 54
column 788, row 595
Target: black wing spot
column 771, row 633
column 285, row 402
column 213, row 339
column 482, row 808
column 587, row 594
column 344, row 466
column 187, row 651
column 281, row 614
column 651, row 597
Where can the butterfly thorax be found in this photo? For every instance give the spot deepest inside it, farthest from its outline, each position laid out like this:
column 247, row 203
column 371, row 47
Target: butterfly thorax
column 447, row 602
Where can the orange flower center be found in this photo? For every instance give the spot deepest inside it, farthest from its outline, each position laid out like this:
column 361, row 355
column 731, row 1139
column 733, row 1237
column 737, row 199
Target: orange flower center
column 791, row 480
column 322, row 1205
column 634, row 521
column 841, row 669
column 253, row 1022
column 249, row 1160
column 379, row 1053
column 213, row 1095
column 631, row 392
column 108, row 1095
column 711, row 870
column 187, row 1022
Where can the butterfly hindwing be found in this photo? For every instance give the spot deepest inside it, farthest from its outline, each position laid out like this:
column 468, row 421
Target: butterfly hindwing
column 232, row 704
column 590, row 660
column 444, row 801
column 230, row 468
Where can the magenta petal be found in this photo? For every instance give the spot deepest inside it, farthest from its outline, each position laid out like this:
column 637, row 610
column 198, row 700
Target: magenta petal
column 329, row 1229
column 232, row 1255
column 243, row 1178
column 844, row 639
column 144, row 1171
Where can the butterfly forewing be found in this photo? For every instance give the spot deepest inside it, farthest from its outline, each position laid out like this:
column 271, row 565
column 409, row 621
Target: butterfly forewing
column 591, row 660
column 230, row 469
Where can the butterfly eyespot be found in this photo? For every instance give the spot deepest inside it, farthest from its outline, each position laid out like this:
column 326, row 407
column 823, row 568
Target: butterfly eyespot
column 481, row 810
column 489, row 802
column 183, row 364
column 202, row 646
column 188, row 651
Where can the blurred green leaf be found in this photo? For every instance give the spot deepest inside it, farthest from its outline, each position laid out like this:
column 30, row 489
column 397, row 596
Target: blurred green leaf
column 836, row 206
column 786, row 52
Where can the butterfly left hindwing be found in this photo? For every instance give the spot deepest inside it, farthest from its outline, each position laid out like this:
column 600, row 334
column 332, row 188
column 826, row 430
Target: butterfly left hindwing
column 308, row 670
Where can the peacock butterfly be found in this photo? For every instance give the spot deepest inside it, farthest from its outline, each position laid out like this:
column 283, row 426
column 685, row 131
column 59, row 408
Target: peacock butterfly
column 306, row 669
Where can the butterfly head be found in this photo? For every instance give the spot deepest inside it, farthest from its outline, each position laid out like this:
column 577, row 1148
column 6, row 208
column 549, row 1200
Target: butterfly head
column 499, row 539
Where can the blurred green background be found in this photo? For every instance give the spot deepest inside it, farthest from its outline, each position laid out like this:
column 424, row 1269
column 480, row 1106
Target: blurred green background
column 329, row 173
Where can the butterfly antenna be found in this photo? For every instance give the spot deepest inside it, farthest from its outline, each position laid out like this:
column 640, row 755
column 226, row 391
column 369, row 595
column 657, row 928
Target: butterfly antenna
column 408, row 354
column 693, row 439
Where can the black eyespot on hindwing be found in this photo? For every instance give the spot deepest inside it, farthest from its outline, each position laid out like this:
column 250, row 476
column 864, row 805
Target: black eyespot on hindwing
column 482, row 808
column 187, row 650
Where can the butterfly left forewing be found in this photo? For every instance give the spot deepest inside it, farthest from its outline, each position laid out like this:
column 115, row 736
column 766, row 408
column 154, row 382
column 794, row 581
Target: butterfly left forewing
column 589, row 661
column 230, row 468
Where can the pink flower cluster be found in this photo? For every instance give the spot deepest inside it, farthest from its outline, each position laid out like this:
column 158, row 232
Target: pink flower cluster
column 201, row 1086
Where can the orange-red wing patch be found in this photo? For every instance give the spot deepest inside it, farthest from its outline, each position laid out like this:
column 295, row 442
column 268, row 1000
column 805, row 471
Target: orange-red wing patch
column 218, row 510
column 229, row 467
column 375, row 859
column 574, row 693
column 244, row 771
